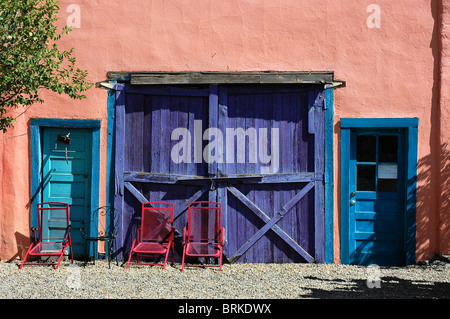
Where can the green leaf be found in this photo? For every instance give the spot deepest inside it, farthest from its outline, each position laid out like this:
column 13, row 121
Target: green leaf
column 28, row 62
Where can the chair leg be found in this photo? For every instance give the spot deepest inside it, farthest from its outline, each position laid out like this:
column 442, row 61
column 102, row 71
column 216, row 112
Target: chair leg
column 173, row 252
column 165, row 259
column 70, row 246
column 60, row 258
column 108, row 256
column 182, row 260
column 71, row 253
column 131, row 252
column 26, row 256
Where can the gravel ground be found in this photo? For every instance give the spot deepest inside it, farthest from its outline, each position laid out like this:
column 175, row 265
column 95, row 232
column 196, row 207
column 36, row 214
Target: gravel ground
column 236, row 281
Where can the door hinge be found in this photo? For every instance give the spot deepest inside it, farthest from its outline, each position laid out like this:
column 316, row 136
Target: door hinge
column 321, row 178
column 320, row 99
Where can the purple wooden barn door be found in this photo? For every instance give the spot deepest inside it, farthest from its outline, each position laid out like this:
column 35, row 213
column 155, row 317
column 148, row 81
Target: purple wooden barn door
column 256, row 149
column 274, row 165
column 150, row 125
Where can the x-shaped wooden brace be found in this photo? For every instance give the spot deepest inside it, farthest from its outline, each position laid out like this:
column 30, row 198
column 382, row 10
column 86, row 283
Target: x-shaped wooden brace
column 271, row 223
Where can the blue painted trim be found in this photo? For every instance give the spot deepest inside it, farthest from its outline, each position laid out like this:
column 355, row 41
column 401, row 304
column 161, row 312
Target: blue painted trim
column 345, row 184
column 35, row 169
column 329, row 176
column 379, row 123
column 110, row 148
column 66, row 123
column 36, row 164
column 411, row 125
column 411, row 197
column 95, row 185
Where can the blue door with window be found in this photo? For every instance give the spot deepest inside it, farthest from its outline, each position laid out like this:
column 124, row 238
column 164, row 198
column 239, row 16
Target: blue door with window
column 377, row 197
column 66, row 176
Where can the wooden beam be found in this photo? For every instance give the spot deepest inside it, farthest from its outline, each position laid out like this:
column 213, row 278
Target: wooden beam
column 319, row 187
column 283, row 178
column 266, row 77
column 182, row 207
column 258, row 178
column 143, row 177
column 133, row 190
column 119, row 161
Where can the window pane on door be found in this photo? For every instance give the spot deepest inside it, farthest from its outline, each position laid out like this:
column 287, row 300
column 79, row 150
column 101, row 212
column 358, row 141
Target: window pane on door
column 388, row 149
column 366, row 148
column 365, row 177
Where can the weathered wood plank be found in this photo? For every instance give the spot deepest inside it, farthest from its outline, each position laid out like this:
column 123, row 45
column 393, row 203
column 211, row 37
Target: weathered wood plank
column 319, row 202
column 143, row 177
column 183, row 205
column 135, row 192
column 134, row 129
column 268, row 77
column 258, row 178
column 119, row 160
column 213, row 113
column 222, row 194
column 168, row 91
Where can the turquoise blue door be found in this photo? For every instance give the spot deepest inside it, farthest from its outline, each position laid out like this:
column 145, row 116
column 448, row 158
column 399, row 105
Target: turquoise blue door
column 377, row 197
column 66, row 176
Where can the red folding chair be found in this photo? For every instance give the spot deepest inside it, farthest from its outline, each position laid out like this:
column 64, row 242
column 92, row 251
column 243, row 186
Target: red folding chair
column 155, row 235
column 53, row 235
column 204, row 236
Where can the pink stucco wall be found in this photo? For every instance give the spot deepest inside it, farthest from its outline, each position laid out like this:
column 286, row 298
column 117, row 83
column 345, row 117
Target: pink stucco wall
column 391, row 71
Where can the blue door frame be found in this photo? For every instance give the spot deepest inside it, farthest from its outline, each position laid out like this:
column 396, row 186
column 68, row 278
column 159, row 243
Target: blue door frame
column 36, row 126
column 410, row 127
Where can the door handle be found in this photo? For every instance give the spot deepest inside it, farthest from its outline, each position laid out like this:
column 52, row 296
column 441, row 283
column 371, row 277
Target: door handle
column 352, row 202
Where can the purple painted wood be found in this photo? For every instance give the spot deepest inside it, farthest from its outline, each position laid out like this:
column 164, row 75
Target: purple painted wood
column 319, row 154
column 146, row 147
column 287, row 111
column 222, row 193
column 119, row 163
column 258, row 229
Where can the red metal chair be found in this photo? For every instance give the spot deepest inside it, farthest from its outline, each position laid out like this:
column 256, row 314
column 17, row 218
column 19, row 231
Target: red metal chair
column 155, row 235
column 204, row 236
column 53, row 236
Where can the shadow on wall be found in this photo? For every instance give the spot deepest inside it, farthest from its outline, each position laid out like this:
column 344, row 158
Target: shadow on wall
column 433, row 171
column 430, row 204
column 444, row 204
column 23, row 242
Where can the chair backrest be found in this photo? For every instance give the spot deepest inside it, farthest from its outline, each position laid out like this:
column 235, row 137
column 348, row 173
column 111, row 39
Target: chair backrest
column 105, row 222
column 53, row 219
column 156, row 221
column 203, row 221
